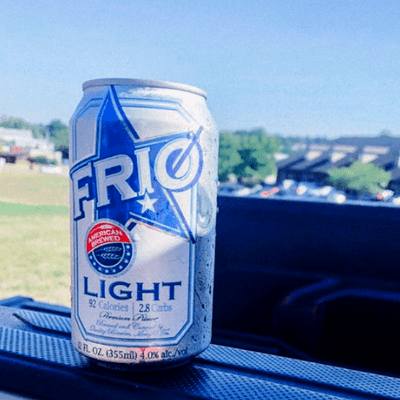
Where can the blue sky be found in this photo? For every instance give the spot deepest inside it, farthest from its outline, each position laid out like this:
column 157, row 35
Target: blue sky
column 297, row 67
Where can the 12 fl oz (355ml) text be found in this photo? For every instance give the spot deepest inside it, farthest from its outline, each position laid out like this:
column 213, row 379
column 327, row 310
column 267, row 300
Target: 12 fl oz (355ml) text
column 142, row 354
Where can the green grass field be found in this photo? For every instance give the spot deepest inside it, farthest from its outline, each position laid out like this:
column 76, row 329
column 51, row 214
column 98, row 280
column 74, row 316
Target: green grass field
column 34, row 235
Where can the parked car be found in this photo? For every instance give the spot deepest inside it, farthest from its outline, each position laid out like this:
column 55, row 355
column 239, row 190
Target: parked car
column 302, row 189
column 395, row 200
column 325, row 191
column 313, row 190
column 287, row 187
column 337, row 196
column 269, row 192
column 229, row 188
column 385, row 195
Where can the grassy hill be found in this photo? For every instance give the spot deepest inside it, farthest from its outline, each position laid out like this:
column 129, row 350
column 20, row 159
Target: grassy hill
column 34, row 235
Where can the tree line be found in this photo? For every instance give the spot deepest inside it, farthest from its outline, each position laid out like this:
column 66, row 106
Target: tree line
column 247, row 155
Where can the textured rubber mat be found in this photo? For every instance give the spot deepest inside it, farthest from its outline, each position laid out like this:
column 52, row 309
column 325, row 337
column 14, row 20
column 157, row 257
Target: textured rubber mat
column 44, row 321
column 40, row 347
column 38, row 361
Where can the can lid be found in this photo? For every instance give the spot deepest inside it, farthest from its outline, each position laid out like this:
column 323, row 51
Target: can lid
column 143, row 83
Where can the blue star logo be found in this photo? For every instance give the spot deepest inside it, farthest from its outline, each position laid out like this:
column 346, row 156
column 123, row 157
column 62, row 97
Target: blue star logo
column 137, row 180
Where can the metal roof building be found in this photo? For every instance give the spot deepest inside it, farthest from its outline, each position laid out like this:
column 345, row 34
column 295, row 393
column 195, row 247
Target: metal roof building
column 313, row 164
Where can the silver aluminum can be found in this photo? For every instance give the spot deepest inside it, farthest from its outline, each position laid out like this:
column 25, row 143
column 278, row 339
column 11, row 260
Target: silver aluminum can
column 143, row 178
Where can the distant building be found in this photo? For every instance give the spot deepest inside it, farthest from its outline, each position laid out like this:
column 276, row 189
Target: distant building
column 20, row 143
column 313, row 163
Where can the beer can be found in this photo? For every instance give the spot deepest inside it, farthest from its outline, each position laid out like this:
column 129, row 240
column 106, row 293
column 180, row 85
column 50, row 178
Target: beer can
column 143, row 178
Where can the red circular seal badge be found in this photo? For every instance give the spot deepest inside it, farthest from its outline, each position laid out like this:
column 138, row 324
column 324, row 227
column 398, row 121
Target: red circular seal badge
column 109, row 248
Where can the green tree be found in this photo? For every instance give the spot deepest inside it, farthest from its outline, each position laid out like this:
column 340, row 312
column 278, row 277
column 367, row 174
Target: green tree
column 247, row 154
column 257, row 155
column 286, row 144
column 359, row 177
column 229, row 158
column 38, row 130
column 58, row 133
column 385, row 133
column 14, row 123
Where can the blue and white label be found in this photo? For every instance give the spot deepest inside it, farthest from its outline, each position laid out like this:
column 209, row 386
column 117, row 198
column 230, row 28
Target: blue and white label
column 134, row 219
column 133, row 179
